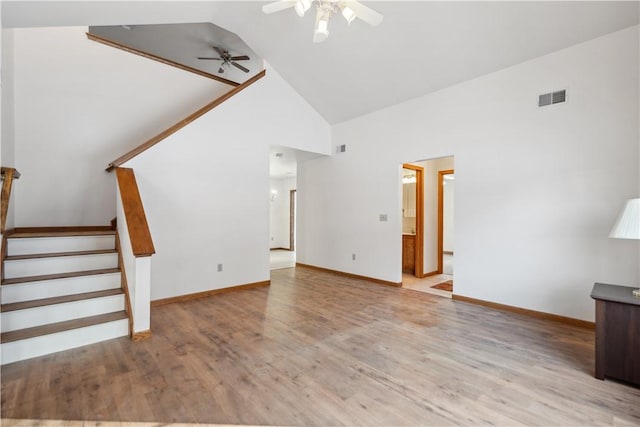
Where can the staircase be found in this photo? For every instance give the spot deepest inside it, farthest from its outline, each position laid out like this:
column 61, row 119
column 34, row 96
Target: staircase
column 60, row 290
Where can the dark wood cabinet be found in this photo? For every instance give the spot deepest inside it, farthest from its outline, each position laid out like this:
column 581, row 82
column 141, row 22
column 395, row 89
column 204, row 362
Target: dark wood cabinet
column 408, row 253
column 617, row 333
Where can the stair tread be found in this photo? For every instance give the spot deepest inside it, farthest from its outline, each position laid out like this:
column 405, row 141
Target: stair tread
column 17, row 280
column 58, row 300
column 67, row 325
column 60, row 254
column 29, row 234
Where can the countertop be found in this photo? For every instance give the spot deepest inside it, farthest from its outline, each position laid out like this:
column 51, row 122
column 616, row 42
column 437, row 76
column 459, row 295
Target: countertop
column 614, row 293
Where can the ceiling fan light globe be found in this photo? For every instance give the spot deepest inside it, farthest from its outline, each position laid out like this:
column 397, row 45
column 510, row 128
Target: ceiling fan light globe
column 319, row 37
column 348, row 14
column 302, row 6
column 322, row 31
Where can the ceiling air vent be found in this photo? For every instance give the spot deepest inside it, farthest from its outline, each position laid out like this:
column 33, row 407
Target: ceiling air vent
column 552, row 98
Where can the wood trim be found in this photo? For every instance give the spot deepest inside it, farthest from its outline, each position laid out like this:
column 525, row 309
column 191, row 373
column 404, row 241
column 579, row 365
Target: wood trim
column 441, row 175
column 197, row 295
column 526, row 312
column 140, row 336
column 81, row 229
column 137, row 226
column 43, row 302
column 350, row 275
column 59, row 254
column 42, row 277
column 419, row 243
column 431, row 273
column 7, row 182
column 4, row 169
column 292, row 220
column 125, row 286
column 184, row 122
column 118, row 45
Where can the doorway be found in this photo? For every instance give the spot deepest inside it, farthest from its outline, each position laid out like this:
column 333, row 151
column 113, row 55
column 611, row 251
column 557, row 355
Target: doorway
column 437, row 229
column 413, row 220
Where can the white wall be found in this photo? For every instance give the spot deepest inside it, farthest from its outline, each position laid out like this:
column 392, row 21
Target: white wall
column 206, row 189
column 279, row 212
column 537, row 239
column 78, row 106
column 7, row 151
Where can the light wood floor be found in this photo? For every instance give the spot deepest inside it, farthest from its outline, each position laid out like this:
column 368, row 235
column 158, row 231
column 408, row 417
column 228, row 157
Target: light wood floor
column 319, row 349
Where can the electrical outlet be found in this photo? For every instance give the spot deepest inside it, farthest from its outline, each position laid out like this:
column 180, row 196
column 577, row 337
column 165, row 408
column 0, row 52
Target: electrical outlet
column 384, row 218
column 219, row 267
column 353, row 257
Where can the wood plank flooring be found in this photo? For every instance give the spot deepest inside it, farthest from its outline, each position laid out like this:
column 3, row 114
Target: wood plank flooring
column 319, row 349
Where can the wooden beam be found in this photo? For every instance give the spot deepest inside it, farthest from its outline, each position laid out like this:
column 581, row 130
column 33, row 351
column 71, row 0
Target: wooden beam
column 173, row 129
column 153, row 57
column 7, row 181
column 137, row 226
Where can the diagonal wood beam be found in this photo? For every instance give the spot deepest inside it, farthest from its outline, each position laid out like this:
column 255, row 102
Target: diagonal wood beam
column 153, row 57
column 176, row 127
column 8, row 175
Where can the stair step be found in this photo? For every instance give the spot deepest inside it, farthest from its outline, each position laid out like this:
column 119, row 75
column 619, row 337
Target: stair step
column 67, row 325
column 17, row 280
column 4, row 308
column 27, row 348
column 54, row 265
column 35, row 234
column 60, row 254
column 37, row 243
column 26, row 291
column 28, row 314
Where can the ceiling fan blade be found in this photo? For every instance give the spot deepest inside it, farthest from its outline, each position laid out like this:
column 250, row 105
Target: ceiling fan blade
column 219, row 50
column 240, row 58
column 246, row 70
column 278, row 6
column 365, row 13
column 212, row 59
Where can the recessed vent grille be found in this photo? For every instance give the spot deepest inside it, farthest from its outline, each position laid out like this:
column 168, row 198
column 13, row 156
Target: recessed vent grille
column 552, row 98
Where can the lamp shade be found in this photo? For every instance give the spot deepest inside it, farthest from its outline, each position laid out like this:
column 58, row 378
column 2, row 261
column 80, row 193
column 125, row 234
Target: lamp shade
column 628, row 224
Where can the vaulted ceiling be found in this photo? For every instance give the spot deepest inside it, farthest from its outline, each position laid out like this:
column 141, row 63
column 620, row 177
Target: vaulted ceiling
column 420, row 47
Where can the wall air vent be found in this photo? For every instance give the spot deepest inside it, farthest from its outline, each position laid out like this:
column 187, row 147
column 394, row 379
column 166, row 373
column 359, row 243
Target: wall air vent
column 552, row 98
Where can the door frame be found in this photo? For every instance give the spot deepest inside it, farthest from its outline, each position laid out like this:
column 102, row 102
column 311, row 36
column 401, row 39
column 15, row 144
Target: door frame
column 292, row 220
column 441, row 175
column 419, row 249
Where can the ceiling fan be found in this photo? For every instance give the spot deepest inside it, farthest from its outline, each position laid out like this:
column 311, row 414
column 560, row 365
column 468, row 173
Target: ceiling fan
column 350, row 9
column 227, row 59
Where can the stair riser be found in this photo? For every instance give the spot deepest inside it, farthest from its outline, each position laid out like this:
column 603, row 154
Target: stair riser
column 66, row 264
column 46, row 344
column 27, row 318
column 59, row 287
column 44, row 245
